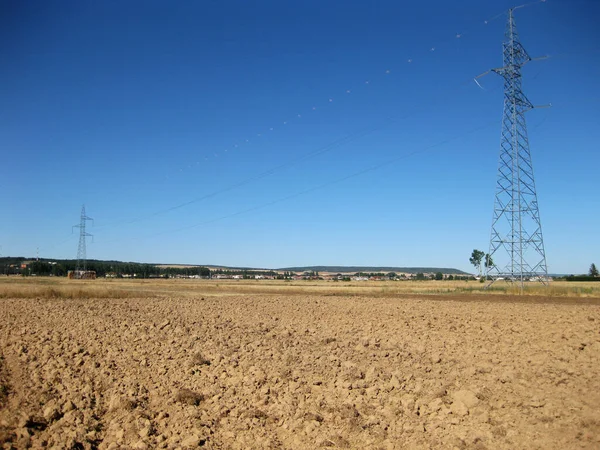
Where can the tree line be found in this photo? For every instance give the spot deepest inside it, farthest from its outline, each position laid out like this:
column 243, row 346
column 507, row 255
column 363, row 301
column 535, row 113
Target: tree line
column 592, row 275
column 102, row 268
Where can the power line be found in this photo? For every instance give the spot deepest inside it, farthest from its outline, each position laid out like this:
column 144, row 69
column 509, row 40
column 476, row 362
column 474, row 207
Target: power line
column 326, row 184
column 307, row 156
column 328, row 100
column 321, row 150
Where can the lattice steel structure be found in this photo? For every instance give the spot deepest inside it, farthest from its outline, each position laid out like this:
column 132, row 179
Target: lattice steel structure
column 81, row 249
column 516, row 242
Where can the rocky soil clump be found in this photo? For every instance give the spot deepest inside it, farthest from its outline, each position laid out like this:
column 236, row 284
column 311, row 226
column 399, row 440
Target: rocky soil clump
column 253, row 371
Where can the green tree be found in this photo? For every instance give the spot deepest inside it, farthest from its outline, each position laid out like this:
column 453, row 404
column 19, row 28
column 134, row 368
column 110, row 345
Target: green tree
column 476, row 258
column 439, row 276
column 489, row 262
column 593, row 270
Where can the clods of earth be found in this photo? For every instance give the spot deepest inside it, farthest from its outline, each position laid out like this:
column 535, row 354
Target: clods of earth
column 299, row 372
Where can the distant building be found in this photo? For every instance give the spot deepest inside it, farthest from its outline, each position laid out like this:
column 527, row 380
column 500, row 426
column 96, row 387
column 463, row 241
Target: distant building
column 81, row 274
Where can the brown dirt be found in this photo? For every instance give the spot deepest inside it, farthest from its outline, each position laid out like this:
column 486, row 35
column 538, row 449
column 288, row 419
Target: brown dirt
column 252, row 371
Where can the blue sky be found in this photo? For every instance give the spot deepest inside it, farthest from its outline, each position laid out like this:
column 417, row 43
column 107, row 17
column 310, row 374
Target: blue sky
column 280, row 133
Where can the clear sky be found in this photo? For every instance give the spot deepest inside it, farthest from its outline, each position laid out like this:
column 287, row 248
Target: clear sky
column 280, row 133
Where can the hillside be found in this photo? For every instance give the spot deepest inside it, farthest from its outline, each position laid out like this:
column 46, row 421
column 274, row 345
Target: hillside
column 94, row 264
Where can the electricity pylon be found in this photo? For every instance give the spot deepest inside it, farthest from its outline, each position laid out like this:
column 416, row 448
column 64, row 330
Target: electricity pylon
column 516, row 242
column 81, row 250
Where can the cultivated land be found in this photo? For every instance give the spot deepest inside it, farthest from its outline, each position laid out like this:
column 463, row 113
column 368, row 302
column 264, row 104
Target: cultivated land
column 188, row 363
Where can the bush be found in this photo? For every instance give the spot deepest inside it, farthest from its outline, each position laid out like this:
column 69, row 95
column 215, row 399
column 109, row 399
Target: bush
column 581, row 278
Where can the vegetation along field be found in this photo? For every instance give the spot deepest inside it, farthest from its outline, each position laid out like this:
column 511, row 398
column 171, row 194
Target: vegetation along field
column 242, row 364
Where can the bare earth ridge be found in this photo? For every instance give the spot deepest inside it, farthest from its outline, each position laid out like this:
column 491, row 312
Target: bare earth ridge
column 300, row 372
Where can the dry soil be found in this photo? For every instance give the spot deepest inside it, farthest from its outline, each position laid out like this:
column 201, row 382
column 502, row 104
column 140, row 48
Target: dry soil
column 300, row 372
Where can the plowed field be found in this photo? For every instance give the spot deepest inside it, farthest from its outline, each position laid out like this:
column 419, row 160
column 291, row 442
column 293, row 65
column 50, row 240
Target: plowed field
column 300, row 372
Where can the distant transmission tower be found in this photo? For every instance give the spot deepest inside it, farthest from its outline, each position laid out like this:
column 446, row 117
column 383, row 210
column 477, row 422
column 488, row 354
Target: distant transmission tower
column 516, row 243
column 81, row 251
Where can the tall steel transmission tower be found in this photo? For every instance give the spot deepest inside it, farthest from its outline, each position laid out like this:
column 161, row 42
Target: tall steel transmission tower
column 81, row 250
column 516, row 243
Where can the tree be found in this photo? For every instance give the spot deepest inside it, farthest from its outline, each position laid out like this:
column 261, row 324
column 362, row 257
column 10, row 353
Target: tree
column 476, row 258
column 489, row 262
column 593, row 270
column 439, row 276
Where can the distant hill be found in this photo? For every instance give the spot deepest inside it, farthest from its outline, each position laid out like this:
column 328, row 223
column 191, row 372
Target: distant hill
column 369, row 269
column 7, row 260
